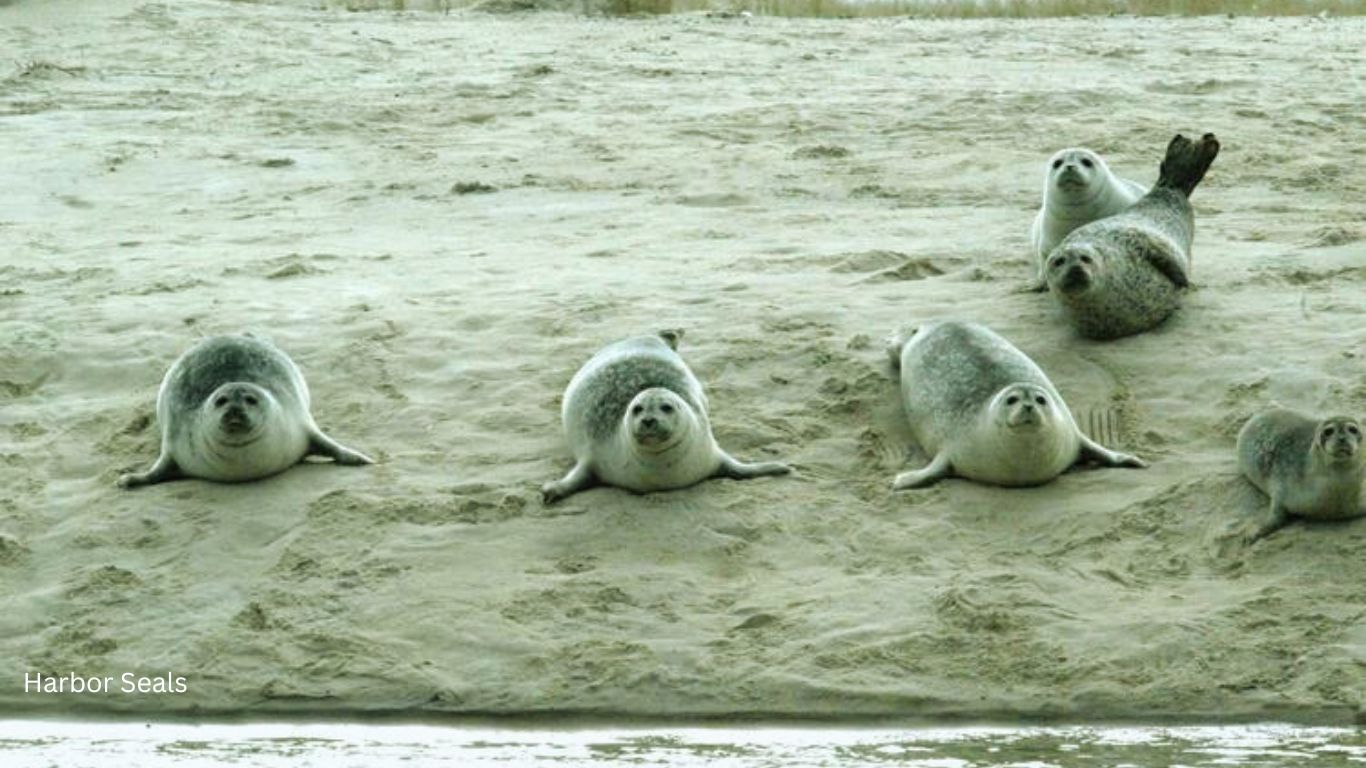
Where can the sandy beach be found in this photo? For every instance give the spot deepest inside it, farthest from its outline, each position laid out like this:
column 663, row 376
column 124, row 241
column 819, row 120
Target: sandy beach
column 442, row 216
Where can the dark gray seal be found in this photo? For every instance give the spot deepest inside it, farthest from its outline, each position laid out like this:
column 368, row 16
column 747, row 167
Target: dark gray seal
column 1310, row 468
column 232, row 409
column 636, row 417
column 984, row 411
column 1124, row 274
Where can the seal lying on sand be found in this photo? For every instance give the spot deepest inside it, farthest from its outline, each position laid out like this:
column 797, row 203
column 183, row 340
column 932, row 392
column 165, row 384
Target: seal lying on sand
column 1078, row 188
column 985, row 411
column 1311, row 468
column 1124, row 274
column 636, row 418
column 235, row 408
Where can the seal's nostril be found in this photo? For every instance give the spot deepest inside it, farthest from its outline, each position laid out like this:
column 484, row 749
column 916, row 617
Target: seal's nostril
column 649, row 421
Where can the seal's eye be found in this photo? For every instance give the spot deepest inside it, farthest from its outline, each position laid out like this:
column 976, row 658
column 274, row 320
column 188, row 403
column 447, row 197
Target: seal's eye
column 1012, row 400
column 220, row 402
column 251, row 400
column 1040, row 400
column 1086, row 161
column 666, row 408
column 1085, row 259
column 1057, row 261
column 1352, row 429
column 1057, row 164
column 1329, row 432
column 638, row 410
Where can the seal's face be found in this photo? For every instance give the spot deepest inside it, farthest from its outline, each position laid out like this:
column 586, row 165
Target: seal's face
column 1072, row 268
column 239, row 410
column 1024, row 407
column 1339, row 438
column 1072, row 172
column 656, row 419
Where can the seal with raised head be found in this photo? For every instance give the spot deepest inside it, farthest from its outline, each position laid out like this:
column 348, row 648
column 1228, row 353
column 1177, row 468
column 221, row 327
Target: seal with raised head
column 232, row 409
column 1124, row 274
column 636, row 417
column 1078, row 188
column 985, row 411
column 1311, row 468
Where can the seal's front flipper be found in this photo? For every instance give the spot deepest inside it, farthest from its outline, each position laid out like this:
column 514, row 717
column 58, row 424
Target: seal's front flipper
column 1093, row 451
column 1169, row 264
column 164, row 469
column 738, row 470
column 1244, row 533
column 936, row 470
column 580, row 478
column 320, row 444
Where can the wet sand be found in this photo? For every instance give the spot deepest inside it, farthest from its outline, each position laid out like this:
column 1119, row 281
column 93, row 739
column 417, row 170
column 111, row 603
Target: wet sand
column 441, row 217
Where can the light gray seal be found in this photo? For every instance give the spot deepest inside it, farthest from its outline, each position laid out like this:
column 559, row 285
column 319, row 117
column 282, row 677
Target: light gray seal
column 1311, row 468
column 232, row 409
column 984, row 411
column 1124, row 274
column 636, row 417
column 1078, row 188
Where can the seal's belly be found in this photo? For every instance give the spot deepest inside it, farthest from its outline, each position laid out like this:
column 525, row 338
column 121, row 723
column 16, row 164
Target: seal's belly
column 1324, row 499
column 685, row 466
column 269, row 455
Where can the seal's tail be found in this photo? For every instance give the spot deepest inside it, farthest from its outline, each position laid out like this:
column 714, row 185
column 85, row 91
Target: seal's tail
column 1186, row 162
column 671, row 336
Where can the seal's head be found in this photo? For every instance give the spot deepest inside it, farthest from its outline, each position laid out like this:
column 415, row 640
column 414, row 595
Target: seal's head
column 1073, row 267
column 1339, row 438
column 239, row 411
column 1024, row 407
column 1073, row 175
column 657, row 419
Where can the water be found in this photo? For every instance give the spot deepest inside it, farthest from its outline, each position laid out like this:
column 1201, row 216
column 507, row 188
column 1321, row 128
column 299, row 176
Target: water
column 41, row 744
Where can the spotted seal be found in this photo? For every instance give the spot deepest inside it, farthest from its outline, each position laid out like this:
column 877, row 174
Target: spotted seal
column 984, row 411
column 232, row 409
column 636, row 418
column 1310, row 468
column 1124, row 274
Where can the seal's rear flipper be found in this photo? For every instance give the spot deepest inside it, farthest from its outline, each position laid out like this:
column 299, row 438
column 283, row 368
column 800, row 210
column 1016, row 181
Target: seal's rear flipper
column 1186, row 162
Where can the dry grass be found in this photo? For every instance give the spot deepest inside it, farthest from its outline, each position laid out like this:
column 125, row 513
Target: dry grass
column 948, row 9
column 966, row 9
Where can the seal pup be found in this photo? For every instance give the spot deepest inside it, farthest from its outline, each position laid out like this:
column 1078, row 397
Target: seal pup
column 1124, row 274
column 985, row 411
column 636, row 417
column 235, row 408
column 1078, row 188
column 1310, row 468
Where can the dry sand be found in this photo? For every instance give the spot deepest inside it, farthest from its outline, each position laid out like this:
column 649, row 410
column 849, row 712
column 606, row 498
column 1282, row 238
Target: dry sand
column 789, row 191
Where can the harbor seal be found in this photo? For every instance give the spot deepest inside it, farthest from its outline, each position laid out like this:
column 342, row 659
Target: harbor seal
column 1124, row 274
column 984, row 411
column 1310, row 468
column 232, row 409
column 636, row 417
column 1078, row 188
